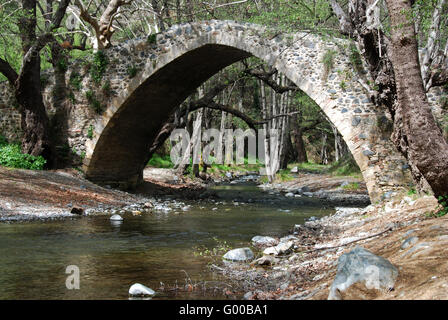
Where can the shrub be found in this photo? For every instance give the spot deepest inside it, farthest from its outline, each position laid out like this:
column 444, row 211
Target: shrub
column 328, row 61
column 132, row 71
column 76, row 81
column 152, row 38
column 442, row 210
column 98, row 67
column 3, row 141
column 93, row 102
column 106, row 88
column 12, row 156
column 61, row 65
column 90, row 132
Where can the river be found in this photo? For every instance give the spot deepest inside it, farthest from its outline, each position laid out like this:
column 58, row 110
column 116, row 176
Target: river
column 150, row 248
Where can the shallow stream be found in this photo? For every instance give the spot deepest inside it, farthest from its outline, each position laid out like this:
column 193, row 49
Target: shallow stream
column 151, row 248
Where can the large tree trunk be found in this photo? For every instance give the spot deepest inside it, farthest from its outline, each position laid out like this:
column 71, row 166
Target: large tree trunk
column 416, row 133
column 35, row 122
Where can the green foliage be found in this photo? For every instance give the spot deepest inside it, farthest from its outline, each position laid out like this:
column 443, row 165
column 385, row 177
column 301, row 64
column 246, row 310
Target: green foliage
column 347, row 166
column 152, row 38
column 283, row 176
column 351, row 186
column 90, row 132
column 132, row 71
column 215, row 253
column 3, row 140
column 309, row 167
column 76, row 81
column 106, row 88
column 98, row 66
column 288, row 16
column 328, row 60
column 89, row 95
column 159, row 161
column 442, row 209
column 355, row 58
column 93, row 102
column 12, row 156
column 411, row 192
column 62, row 65
column 71, row 97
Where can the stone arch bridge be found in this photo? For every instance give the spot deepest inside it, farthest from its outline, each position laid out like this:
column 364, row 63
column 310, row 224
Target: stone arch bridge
column 168, row 67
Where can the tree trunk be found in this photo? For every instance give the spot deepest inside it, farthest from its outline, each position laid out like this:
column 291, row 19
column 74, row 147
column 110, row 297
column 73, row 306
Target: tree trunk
column 35, row 123
column 416, row 134
column 324, row 149
column 300, row 146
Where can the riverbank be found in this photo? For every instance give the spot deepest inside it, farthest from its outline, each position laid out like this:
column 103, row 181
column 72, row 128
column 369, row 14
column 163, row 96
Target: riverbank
column 29, row 194
column 308, row 270
column 333, row 190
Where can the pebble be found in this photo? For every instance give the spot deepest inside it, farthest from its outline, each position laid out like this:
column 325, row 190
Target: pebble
column 408, row 242
column 116, row 217
column 138, row 289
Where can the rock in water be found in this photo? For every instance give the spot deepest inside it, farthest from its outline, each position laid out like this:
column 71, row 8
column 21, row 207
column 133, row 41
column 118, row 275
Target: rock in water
column 264, row 241
column 239, row 255
column 138, row 289
column 361, row 274
column 116, row 217
column 76, row 210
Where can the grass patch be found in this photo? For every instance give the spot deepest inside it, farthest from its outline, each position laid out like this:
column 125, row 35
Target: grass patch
column 310, row 167
column 351, row 186
column 345, row 167
column 159, row 161
column 284, row 175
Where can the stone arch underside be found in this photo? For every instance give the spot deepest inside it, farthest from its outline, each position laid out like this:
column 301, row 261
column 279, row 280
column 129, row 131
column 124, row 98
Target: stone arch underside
column 181, row 59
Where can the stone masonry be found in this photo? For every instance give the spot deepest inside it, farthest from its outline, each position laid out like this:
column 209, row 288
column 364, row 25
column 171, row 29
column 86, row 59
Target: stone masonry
column 113, row 123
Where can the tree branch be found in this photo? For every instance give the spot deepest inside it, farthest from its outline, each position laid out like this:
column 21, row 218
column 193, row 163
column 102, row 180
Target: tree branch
column 266, row 78
column 8, row 71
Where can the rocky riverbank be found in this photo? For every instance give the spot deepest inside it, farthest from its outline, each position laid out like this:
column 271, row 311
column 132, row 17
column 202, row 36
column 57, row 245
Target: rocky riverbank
column 347, row 191
column 402, row 231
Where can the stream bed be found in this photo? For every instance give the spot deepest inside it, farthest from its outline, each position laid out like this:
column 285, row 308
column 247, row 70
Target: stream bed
column 150, row 248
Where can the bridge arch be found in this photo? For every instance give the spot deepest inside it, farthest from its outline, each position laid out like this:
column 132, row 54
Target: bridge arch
column 173, row 64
